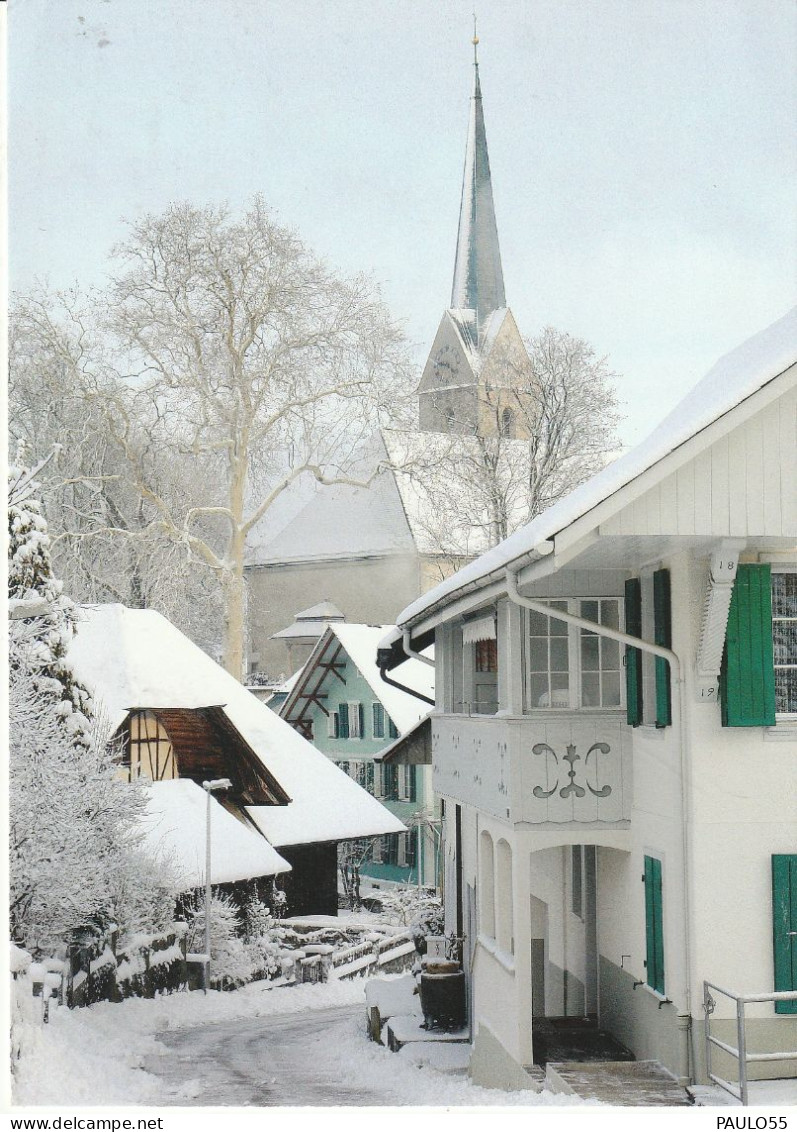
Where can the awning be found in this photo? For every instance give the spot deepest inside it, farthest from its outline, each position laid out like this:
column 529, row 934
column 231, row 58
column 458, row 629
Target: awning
column 482, row 629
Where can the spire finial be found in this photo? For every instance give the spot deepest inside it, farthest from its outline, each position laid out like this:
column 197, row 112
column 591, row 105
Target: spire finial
column 475, row 42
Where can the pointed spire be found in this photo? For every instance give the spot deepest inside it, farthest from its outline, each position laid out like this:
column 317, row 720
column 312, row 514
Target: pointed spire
column 478, row 277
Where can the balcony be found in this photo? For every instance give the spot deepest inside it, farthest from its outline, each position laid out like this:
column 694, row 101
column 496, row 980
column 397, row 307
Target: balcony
column 547, row 768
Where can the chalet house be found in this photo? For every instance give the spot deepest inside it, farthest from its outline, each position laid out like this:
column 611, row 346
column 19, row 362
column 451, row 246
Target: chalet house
column 182, row 719
column 620, row 817
column 340, row 704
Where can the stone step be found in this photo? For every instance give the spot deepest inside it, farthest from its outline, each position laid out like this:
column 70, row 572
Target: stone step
column 623, row 1083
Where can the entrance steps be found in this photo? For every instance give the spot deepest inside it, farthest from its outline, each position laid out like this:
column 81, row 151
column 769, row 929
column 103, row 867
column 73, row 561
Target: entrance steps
column 623, row 1083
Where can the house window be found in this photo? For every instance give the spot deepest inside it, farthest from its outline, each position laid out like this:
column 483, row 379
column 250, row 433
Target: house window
column 333, row 725
column 390, row 783
column 355, row 721
column 410, row 843
column 378, row 717
column 485, row 657
column 151, row 754
column 577, row 880
column 784, row 641
column 487, row 881
column 507, row 424
column 406, row 786
column 654, row 925
column 570, row 667
column 390, row 849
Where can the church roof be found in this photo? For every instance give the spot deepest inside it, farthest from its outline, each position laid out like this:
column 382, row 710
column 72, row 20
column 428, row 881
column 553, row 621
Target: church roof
column 342, row 521
column 478, row 276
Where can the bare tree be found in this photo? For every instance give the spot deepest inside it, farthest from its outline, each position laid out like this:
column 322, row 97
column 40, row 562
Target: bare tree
column 224, row 347
column 515, row 447
column 104, row 542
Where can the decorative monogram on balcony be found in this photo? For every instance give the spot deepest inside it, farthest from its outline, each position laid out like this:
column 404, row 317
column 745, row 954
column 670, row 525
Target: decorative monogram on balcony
column 571, row 758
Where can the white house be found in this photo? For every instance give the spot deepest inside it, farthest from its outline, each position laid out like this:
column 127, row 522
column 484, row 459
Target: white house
column 621, row 810
column 180, row 717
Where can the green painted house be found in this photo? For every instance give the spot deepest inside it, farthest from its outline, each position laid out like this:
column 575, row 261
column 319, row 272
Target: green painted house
column 341, row 704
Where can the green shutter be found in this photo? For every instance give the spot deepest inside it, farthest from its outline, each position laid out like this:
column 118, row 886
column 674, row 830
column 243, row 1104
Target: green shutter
column 784, row 925
column 369, row 777
column 654, row 925
column 413, row 785
column 633, row 657
column 662, row 635
column 343, row 720
column 392, row 729
column 747, row 679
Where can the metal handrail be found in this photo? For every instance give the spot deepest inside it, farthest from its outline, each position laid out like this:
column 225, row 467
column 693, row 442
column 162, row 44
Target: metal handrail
column 739, row 1051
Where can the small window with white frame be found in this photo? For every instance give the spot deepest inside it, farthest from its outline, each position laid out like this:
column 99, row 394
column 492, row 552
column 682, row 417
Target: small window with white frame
column 570, row 667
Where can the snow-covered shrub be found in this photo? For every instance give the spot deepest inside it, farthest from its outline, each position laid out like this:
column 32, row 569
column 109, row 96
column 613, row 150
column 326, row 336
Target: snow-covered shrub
column 407, row 905
column 261, row 937
column 231, row 959
column 25, row 1010
column 76, row 865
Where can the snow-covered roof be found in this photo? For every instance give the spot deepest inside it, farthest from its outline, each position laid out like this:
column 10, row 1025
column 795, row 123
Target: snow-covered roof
column 733, row 379
column 341, row 521
column 360, row 643
column 134, row 658
column 324, row 611
column 175, row 827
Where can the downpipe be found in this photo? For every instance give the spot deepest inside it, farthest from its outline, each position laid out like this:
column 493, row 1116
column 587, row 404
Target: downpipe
column 686, row 1053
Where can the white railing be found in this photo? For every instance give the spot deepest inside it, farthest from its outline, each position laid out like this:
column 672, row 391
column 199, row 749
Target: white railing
column 739, row 1051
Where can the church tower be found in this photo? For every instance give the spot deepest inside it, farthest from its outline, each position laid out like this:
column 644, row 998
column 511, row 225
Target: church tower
column 477, row 357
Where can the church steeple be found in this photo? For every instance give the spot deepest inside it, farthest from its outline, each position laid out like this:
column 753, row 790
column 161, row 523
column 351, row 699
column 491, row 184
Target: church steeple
column 478, row 277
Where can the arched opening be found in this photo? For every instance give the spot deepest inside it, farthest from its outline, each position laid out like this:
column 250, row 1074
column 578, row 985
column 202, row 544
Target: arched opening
column 149, row 750
column 487, row 882
column 451, row 417
column 505, row 924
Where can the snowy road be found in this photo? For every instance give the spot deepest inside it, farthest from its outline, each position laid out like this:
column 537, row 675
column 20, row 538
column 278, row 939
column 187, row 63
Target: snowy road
column 261, row 1062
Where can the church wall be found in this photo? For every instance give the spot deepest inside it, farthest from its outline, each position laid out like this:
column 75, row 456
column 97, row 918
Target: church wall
column 367, row 590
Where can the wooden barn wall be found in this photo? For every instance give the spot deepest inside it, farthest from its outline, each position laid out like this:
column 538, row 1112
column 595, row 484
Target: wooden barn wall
column 742, row 485
column 312, row 886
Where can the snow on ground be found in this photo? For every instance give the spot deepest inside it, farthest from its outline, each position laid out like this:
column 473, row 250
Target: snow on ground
column 95, row 1055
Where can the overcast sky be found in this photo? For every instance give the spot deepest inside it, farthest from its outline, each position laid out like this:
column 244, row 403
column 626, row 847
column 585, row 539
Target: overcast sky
column 643, row 152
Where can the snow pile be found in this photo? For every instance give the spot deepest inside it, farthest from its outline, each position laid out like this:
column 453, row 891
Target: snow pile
column 175, row 827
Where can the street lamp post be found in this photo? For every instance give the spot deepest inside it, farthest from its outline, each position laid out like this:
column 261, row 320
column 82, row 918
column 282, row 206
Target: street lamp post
column 210, row 788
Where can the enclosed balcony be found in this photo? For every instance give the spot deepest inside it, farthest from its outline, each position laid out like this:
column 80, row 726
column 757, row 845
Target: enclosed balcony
column 545, row 768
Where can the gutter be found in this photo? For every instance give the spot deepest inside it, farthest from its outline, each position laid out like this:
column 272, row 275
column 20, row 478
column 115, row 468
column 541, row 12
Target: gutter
column 679, row 683
column 410, row 651
column 403, row 687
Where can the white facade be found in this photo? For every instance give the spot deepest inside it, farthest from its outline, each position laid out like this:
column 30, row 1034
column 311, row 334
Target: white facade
column 556, row 806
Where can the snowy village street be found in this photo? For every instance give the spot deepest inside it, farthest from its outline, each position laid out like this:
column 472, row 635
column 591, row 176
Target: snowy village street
column 255, row 1047
column 262, row 1062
